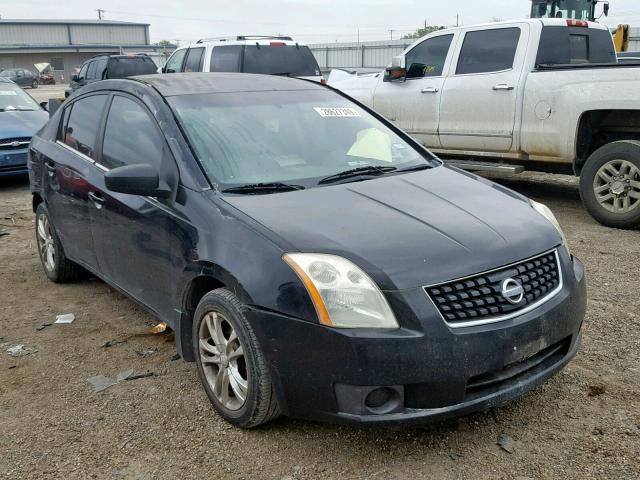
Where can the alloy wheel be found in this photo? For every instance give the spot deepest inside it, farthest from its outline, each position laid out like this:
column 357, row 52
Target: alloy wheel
column 223, row 361
column 617, row 186
column 45, row 243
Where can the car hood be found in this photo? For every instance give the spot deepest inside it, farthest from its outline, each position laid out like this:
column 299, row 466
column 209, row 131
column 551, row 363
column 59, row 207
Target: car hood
column 408, row 230
column 21, row 124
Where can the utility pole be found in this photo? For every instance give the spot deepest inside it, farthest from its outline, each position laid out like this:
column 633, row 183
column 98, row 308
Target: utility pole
column 100, row 12
column 457, row 20
column 391, row 32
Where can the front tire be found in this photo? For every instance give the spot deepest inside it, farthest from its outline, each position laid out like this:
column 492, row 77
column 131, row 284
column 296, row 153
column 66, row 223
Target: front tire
column 230, row 362
column 56, row 265
column 610, row 184
column 34, row 84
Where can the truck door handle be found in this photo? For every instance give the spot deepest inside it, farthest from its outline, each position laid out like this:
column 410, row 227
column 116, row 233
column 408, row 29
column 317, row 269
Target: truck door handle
column 97, row 199
column 430, row 90
column 503, row 86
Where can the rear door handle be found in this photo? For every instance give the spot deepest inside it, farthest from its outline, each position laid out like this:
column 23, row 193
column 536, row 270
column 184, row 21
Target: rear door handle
column 430, row 90
column 503, row 86
column 97, row 199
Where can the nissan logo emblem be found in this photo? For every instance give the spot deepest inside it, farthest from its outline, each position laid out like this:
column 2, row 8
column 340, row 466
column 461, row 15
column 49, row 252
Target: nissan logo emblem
column 512, row 291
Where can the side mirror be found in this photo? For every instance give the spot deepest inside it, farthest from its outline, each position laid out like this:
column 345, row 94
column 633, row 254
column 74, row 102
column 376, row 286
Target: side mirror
column 395, row 74
column 75, row 77
column 606, row 9
column 140, row 179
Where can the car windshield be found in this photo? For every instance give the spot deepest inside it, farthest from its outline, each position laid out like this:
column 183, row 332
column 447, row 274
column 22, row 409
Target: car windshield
column 13, row 98
column 294, row 137
column 296, row 61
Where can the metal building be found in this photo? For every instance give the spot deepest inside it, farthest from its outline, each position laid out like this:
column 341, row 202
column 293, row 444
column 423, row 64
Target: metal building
column 358, row 55
column 65, row 44
column 634, row 44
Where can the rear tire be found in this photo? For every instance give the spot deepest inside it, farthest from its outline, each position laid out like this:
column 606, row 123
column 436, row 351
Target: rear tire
column 231, row 366
column 610, row 184
column 56, row 265
column 34, row 84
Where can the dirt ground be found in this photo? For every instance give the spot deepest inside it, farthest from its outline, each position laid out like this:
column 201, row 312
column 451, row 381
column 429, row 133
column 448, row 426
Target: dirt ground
column 585, row 423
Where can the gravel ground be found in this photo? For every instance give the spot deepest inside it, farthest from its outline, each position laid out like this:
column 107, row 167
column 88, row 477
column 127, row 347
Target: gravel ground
column 584, row 423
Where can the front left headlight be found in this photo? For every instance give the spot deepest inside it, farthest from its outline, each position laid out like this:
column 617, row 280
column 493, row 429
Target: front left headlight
column 343, row 295
column 546, row 212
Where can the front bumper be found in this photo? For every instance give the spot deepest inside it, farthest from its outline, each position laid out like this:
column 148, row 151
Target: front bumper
column 13, row 162
column 439, row 372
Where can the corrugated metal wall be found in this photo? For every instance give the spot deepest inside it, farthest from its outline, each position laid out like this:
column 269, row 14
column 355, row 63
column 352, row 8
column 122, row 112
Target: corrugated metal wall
column 25, row 34
column 109, row 34
column 77, row 34
column 358, row 55
column 634, row 45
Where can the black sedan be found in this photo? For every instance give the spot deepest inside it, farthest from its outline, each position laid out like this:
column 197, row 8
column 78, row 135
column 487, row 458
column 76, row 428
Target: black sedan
column 312, row 259
column 21, row 76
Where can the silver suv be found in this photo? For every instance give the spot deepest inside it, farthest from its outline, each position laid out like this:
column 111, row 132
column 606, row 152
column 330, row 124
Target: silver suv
column 247, row 54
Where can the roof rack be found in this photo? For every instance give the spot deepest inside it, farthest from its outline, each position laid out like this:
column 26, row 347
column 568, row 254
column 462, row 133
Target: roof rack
column 244, row 37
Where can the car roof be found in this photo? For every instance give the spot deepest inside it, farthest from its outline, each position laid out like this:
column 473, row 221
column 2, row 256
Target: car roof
column 173, row 84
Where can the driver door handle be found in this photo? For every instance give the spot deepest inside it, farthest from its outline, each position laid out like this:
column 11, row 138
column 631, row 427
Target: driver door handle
column 430, row 90
column 503, row 86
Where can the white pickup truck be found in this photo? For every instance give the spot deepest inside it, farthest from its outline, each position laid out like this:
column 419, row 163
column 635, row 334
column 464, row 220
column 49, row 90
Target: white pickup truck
column 546, row 94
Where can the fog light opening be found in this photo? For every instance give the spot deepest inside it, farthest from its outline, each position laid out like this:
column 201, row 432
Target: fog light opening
column 382, row 400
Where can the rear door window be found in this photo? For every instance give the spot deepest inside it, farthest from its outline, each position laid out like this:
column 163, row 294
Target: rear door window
column 296, row 61
column 486, row 51
column 226, row 58
column 193, row 63
column 130, row 136
column 174, row 64
column 427, row 58
column 81, row 129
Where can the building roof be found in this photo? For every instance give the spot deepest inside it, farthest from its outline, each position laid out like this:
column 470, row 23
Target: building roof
column 197, row 82
column 51, row 21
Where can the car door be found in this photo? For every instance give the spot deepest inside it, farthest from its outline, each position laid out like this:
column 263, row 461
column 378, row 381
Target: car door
column 174, row 64
column 479, row 101
column 131, row 231
column 68, row 176
column 413, row 105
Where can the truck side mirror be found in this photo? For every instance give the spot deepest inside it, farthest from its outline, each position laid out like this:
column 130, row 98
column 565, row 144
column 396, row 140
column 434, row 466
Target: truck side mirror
column 397, row 71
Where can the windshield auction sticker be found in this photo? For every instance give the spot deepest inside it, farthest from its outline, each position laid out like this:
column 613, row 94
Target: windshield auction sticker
column 7, row 92
column 336, row 112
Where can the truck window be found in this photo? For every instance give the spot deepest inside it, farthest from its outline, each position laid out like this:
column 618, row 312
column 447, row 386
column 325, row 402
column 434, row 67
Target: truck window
column 226, row 58
column 174, row 64
column 293, row 60
column 575, row 45
column 487, row 51
column 193, row 63
column 427, row 58
column 91, row 72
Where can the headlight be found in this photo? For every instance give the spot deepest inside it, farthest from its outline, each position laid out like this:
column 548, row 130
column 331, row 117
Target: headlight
column 546, row 212
column 342, row 294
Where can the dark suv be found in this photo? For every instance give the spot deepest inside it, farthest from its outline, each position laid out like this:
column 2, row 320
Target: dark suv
column 312, row 258
column 21, row 76
column 103, row 67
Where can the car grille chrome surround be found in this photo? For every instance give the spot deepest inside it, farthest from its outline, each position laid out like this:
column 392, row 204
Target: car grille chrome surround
column 478, row 299
column 11, row 143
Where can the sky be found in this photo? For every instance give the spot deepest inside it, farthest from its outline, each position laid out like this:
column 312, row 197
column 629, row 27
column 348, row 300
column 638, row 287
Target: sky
column 310, row 21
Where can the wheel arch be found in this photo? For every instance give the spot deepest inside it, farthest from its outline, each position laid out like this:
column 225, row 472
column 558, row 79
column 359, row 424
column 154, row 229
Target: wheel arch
column 36, row 199
column 209, row 277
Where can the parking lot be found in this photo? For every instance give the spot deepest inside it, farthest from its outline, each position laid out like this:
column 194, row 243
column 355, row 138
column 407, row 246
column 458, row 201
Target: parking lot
column 585, row 423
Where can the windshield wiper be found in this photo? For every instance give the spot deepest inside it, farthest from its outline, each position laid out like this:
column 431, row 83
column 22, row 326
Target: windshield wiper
column 257, row 188
column 356, row 172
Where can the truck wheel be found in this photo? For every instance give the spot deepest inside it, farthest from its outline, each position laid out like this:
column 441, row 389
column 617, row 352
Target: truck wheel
column 34, row 84
column 230, row 363
column 610, row 184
